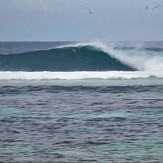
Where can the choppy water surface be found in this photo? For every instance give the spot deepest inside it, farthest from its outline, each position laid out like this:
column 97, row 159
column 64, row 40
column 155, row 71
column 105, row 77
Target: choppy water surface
column 81, row 122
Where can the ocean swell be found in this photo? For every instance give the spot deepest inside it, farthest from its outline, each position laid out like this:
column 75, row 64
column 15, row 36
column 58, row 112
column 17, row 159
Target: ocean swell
column 67, row 58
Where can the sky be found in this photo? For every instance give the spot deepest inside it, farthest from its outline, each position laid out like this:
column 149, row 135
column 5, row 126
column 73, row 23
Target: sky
column 81, row 20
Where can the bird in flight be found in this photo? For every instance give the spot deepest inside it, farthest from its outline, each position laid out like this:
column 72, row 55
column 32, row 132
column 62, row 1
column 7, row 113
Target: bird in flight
column 88, row 9
column 156, row 6
column 90, row 12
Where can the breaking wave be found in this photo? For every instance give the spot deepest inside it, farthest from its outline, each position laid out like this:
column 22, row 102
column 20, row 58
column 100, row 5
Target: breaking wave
column 83, row 57
column 83, row 61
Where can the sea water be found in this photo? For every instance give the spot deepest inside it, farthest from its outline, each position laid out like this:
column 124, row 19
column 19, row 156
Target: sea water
column 81, row 102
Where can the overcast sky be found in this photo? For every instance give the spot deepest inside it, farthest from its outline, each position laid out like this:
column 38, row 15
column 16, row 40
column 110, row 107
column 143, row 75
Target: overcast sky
column 80, row 20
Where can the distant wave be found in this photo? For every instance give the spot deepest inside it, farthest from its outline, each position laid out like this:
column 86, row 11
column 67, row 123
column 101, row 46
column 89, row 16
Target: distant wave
column 79, row 57
column 153, row 49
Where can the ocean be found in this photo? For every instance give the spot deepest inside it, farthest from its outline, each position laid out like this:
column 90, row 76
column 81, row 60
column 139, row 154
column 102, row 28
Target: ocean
column 74, row 102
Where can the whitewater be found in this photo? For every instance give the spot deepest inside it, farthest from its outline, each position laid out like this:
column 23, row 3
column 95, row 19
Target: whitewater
column 78, row 75
column 92, row 60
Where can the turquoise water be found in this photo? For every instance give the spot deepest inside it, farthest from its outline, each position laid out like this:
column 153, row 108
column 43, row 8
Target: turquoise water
column 81, row 120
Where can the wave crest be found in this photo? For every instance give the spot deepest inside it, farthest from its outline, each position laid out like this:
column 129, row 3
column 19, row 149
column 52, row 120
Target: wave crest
column 79, row 57
column 93, row 56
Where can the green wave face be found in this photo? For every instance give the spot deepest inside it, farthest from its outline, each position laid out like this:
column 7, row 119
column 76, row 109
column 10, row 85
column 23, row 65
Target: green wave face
column 75, row 58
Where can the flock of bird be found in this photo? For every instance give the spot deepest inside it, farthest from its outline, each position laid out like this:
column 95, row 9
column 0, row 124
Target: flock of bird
column 154, row 4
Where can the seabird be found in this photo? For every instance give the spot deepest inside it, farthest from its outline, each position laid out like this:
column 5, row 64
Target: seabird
column 157, row 6
column 89, row 11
